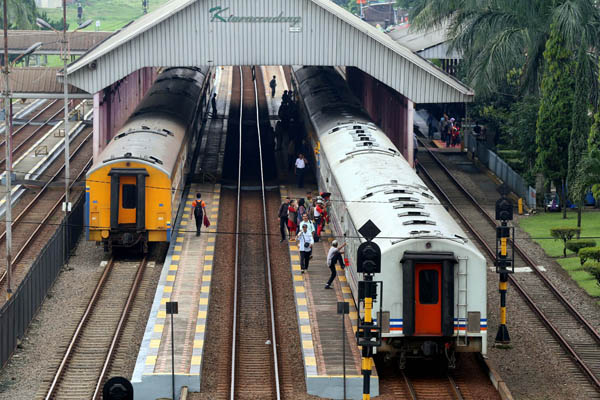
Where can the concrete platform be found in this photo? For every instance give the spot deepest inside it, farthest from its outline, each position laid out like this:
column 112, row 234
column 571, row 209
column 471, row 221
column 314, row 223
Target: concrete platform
column 320, row 325
column 186, row 275
column 185, row 278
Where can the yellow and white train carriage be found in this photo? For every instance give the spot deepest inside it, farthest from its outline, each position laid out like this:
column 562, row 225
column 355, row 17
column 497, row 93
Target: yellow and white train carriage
column 134, row 188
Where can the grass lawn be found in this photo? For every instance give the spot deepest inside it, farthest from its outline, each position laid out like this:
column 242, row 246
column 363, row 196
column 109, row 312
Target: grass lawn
column 539, row 225
column 112, row 14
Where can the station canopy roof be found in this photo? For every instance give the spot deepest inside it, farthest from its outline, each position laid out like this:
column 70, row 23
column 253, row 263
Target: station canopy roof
column 262, row 32
column 40, row 83
column 429, row 43
column 79, row 42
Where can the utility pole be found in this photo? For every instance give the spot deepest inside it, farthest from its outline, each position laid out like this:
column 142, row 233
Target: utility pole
column 66, row 204
column 8, row 134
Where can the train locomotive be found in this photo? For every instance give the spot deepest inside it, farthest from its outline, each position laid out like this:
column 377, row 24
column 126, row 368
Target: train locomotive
column 134, row 187
column 434, row 278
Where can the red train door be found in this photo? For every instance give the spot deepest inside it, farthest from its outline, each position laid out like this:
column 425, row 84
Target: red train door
column 428, row 299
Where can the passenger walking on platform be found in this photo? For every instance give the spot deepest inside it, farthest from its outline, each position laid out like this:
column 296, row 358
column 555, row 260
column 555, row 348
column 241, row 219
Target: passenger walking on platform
column 285, row 98
column 283, row 218
column 301, row 210
column 450, row 129
column 213, row 103
column 334, row 255
column 310, row 206
column 305, row 244
column 273, row 85
column 430, row 126
column 300, row 167
column 198, row 207
column 310, row 228
column 292, row 212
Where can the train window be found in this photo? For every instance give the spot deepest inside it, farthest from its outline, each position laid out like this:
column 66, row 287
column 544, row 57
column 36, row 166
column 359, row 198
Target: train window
column 129, row 196
column 428, row 286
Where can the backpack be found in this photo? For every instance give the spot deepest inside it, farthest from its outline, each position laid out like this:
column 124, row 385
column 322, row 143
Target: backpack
column 198, row 211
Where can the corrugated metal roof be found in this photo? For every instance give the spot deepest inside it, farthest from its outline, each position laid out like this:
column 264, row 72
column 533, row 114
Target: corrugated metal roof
column 432, row 43
column 39, row 82
column 181, row 33
column 80, row 42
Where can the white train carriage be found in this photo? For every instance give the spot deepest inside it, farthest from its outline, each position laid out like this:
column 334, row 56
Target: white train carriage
column 434, row 278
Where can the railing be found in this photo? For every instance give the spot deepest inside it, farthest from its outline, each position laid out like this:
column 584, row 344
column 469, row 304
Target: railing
column 17, row 313
column 502, row 170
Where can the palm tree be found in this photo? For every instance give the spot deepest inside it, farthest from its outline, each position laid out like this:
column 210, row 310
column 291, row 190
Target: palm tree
column 21, row 14
column 497, row 36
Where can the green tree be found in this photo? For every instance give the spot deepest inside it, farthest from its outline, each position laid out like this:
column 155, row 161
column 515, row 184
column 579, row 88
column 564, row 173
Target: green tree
column 21, row 14
column 554, row 117
column 579, row 130
column 496, row 36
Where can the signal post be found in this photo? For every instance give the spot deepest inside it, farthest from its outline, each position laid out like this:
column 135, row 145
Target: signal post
column 505, row 261
column 368, row 334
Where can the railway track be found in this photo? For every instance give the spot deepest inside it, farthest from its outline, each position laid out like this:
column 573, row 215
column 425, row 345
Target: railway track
column 31, row 130
column 571, row 330
column 36, row 209
column 428, row 388
column 254, row 369
column 85, row 363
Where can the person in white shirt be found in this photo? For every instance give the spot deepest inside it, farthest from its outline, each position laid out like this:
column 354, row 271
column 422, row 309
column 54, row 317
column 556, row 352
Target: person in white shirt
column 310, row 227
column 334, row 255
column 305, row 243
column 300, row 167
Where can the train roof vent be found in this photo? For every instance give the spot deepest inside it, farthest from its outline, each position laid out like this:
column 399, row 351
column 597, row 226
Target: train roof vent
column 414, row 214
column 408, row 205
column 393, row 181
column 366, row 144
column 357, row 127
column 419, row 222
column 168, row 132
column 127, row 155
column 335, row 129
column 398, row 191
column 419, row 232
column 404, row 198
column 156, row 160
column 427, row 195
column 366, row 196
column 146, row 128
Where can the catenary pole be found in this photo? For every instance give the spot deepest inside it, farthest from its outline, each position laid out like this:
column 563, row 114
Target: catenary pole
column 67, row 205
column 8, row 133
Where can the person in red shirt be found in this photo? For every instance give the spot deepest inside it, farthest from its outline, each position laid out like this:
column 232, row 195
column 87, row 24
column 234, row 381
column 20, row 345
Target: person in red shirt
column 198, row 210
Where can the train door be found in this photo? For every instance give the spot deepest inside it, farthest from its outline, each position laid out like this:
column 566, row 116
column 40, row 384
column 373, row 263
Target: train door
column 428, row 299
column 128, row 200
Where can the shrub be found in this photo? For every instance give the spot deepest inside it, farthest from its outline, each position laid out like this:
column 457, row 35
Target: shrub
column 565, row 234
column 589, row 253
column 593, row 267
column 576, row 245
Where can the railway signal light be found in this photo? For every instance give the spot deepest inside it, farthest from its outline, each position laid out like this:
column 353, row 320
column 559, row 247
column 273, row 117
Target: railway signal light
column 369, row 258
column 504, row 209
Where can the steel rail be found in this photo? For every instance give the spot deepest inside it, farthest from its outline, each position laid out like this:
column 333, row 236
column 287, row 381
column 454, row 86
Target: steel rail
column 491, row 253
column 526, row 258
column 237, row 236
column 79, row 329
column 409, row 385
column 455, row 388
column 120, row 327
column 268, row 266
column 34, row 202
